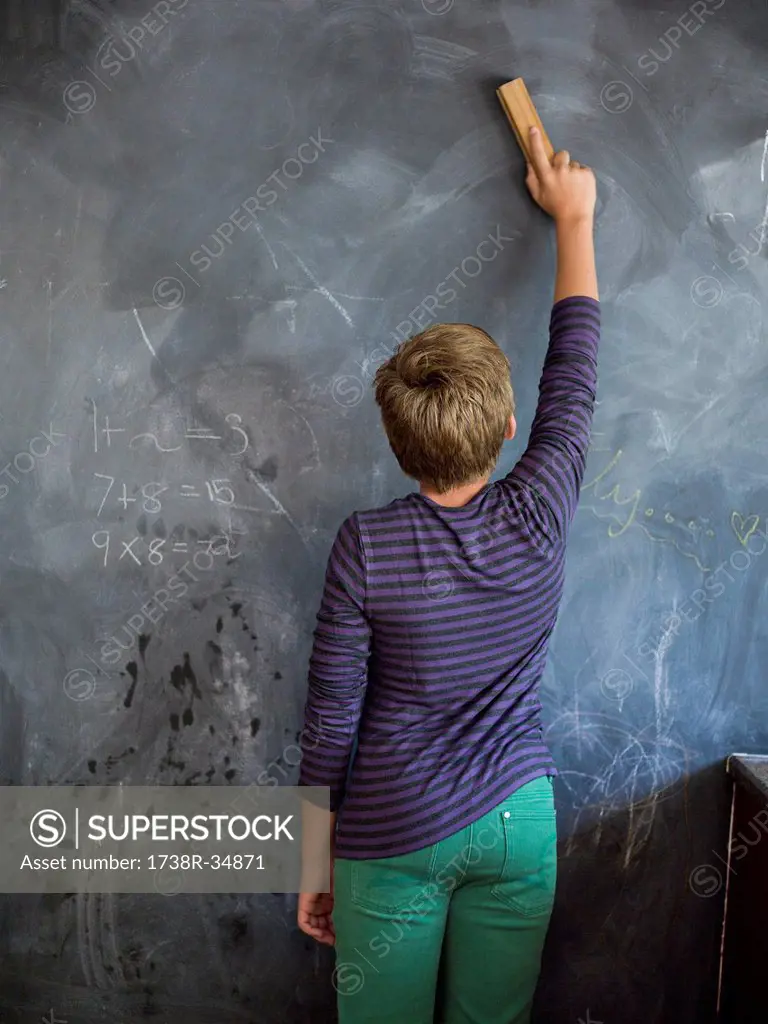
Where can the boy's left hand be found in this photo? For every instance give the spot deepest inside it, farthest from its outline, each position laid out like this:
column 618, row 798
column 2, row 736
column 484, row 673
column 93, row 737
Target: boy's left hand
column 315, row 915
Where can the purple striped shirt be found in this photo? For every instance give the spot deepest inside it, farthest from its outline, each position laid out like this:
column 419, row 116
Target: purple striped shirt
column 433, row 631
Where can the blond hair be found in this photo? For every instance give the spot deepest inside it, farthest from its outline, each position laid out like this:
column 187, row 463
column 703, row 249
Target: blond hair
column 446, row 398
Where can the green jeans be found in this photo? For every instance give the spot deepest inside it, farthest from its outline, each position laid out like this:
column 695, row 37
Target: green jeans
column 452, row 933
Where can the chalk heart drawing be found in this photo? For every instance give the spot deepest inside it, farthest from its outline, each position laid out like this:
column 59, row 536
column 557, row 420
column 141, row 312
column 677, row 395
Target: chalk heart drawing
column 744, row 528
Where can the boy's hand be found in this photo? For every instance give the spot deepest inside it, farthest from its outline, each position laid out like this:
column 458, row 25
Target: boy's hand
column 315, row 916
column 564, row 189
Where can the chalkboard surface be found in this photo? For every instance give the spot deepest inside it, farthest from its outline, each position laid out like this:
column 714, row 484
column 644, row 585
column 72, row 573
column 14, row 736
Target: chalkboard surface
column 218, row 218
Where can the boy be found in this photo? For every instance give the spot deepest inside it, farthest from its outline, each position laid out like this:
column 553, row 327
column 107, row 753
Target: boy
column 430, row 645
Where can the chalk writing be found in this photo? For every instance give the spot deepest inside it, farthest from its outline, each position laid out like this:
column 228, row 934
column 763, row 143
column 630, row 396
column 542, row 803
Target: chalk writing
column 155, row 442
column 634, row 499
column 139, row 551
column 148, row 495
column 744, row 527
column 152, row 497
column 614, row 495
column 630, row 508
column 107, row 436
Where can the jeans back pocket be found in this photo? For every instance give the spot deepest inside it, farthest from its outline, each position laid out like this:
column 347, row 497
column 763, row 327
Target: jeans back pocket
column 528, row 824
column 390, row 885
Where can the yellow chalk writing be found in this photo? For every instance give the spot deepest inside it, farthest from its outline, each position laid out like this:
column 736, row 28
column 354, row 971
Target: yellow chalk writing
column 744, row 527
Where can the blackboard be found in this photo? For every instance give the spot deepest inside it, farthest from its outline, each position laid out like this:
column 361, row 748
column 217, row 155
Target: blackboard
column 219, row 217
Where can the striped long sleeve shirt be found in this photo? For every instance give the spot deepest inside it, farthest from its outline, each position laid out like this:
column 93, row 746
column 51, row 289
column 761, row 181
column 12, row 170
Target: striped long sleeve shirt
column 433, row 630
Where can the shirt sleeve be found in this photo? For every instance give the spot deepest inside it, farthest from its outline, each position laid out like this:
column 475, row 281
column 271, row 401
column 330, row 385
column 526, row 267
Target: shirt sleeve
column 551, row 469
column 338, row 668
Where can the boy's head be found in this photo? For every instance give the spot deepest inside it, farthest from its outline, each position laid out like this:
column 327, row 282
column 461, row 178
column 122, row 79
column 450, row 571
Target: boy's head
column 447, row 405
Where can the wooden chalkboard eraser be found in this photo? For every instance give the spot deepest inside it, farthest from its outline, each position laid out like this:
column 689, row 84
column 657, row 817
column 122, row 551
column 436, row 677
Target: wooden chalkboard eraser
column 522, row 115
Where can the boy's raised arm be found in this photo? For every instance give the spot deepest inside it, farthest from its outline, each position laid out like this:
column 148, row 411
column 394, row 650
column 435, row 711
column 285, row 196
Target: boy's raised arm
column 552, row 466
column 566, row 190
